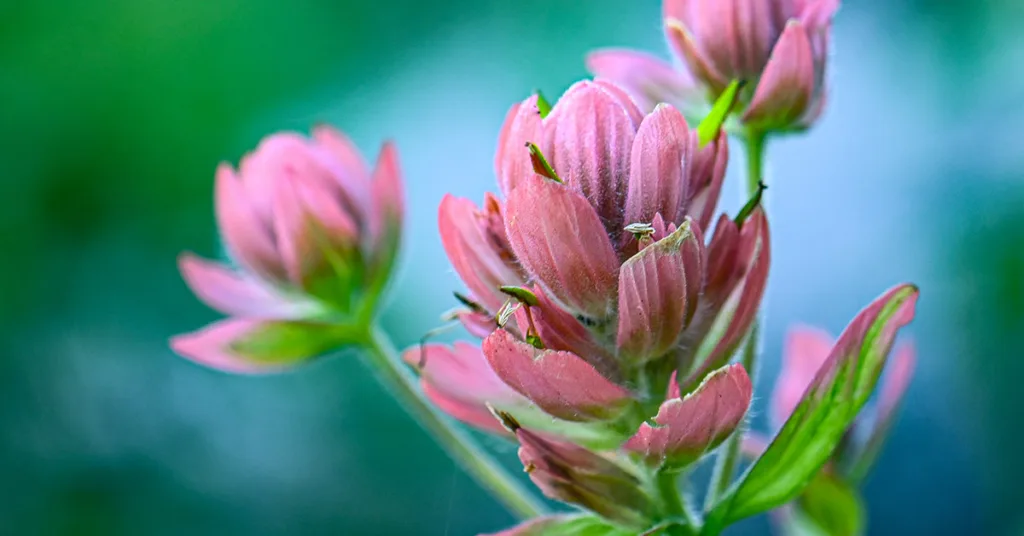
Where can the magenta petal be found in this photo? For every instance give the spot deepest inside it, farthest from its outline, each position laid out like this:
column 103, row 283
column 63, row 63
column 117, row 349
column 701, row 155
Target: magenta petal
column 459, row 381
column 512, row 160
column 656, row 300
column 234, row 294
column 247, row 236
column 688, row 428
column 806, row 349
column 587, row 139
column 786, row 88
column 558, row 237
column 659, row 179
column 478, row 249
column 560, row 383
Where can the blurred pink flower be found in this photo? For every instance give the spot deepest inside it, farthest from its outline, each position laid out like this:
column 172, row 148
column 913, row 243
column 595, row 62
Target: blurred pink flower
column 313, row 233
column 806, row 351
column 780, row 47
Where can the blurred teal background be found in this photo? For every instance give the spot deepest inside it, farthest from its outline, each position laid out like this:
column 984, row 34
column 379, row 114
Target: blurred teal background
column 114, row 114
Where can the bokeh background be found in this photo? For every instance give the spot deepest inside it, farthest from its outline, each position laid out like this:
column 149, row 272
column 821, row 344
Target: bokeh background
column 114, row 114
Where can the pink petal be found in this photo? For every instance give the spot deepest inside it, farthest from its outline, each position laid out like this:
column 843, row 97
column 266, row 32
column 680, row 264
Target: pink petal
column 622, row 97
column 559, row 330
column 707, row 173
column 741, row 275
column 308, row 225
column 649, row 80
column 247, row 236
column 896, row 381
column 248, row 346
column 512, row 160
column 460, row 382
column 805, row 351
column 351, row 173
column 786, row 88
column 559, row 239
column 388, row 199
column 736, row 35
column 688, row 428
column 570, row 473
column 687, row 49
column 478, row 249
column 660, row 168
column 656, row 299
column 587, row 139
column 560, row 383
column 235, row 294
column 344, row 151
column 479, row 325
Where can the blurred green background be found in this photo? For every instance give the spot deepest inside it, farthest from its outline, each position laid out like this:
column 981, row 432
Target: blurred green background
column 114, row 115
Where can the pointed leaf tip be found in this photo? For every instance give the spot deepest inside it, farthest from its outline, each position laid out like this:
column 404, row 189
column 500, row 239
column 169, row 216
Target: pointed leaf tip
column 540, row 164
column 543, row 106
column 753, row 203
column 712, row 124
column 524, row 295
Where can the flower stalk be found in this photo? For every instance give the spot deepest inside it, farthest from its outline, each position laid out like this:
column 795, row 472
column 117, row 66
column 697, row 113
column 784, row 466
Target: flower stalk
column 382, row 357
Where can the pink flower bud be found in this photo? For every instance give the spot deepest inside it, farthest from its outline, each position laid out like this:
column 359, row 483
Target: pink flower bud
column 313, row 233
column 569, row 473
column 780, row 47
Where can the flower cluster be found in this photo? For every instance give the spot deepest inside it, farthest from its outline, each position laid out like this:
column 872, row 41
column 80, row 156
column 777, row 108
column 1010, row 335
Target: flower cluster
column 779, row 48
column 608, row 308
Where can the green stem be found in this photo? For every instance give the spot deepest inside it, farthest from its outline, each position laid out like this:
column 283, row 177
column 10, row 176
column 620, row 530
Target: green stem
column 668, row 491
column 755, row 141
column 728, row 457
column 385, row 361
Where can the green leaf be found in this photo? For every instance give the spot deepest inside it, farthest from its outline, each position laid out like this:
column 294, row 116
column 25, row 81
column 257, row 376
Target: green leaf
column 543, row 106
column 567, row 525
column 832, row 506
column 830, row 405
column 711, row 125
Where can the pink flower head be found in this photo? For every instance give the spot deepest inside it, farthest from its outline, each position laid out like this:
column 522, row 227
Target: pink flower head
column 592, row 280
column 313, row 233
column 780, row 47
